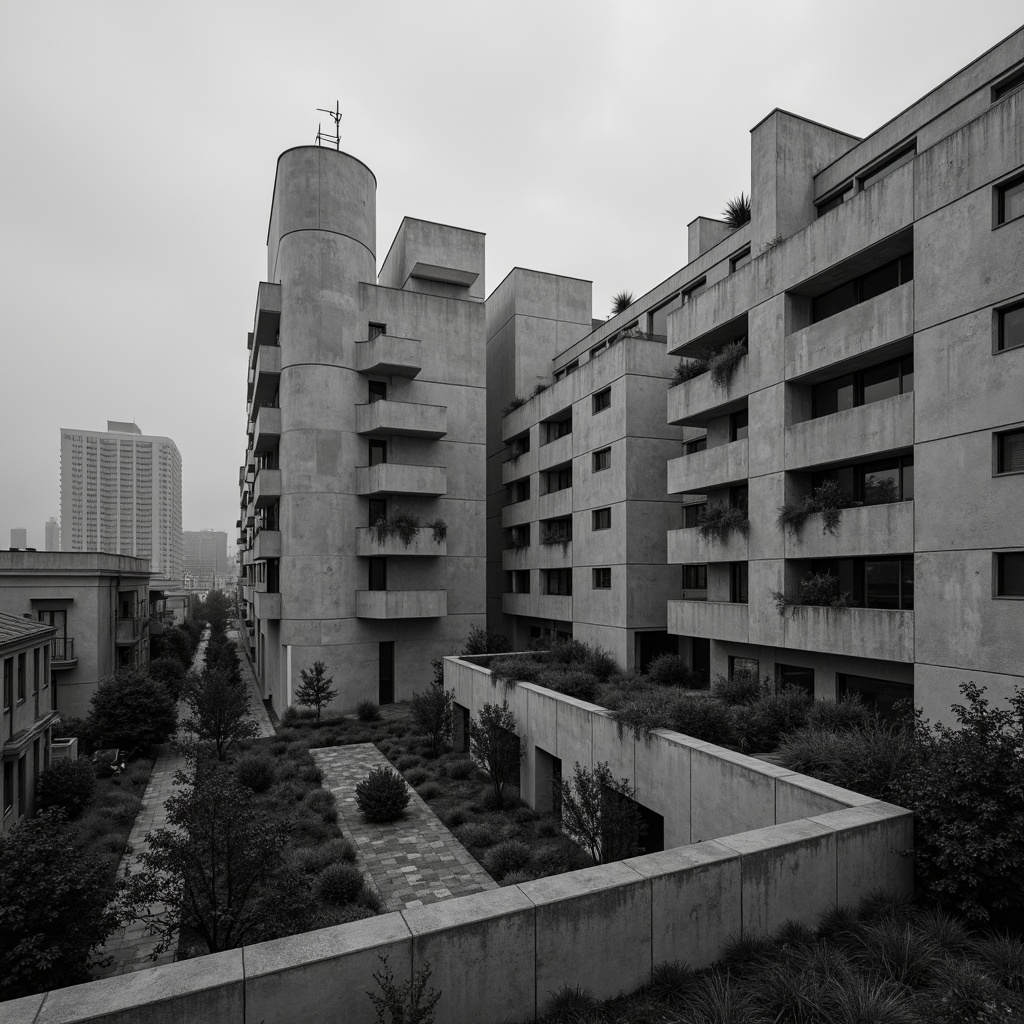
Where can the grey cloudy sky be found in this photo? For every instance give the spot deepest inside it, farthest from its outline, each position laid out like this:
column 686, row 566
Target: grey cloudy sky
column 138, row 144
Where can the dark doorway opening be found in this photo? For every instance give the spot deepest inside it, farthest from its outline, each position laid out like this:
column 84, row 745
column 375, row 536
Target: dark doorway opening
column 386, row 672
column 654, row 645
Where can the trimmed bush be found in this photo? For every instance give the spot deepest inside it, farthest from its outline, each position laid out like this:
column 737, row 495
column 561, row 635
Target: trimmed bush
column 368, row 711
column 459, row 768
column 477, row 833
column 511, row 855
column 255, row 772
column 68, row 785
column 705, row 718
column 123, row 808
column 416, row 776
column 672, row 982
column 515, row 668
column 429, row 790
column 382, row 795
column 515, row 877
column 455, row 816
column 339, row 884
column 671, row 670
column 761, row 724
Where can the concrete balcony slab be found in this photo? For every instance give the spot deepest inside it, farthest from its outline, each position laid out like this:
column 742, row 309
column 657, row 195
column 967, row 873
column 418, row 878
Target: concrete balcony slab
column 519, row 512
column 518, row 468
column 695, row 401
column 266, row 429
column 882, row 633
column 556, row 503
column 421, row 545
column 399, row 478
column 540, row 606
column 407, row 419
column 687, row 547
column 267, row 489
column 266, row 545
column 700, row 472
column 868, row 530
column 389, row 356
column 401, row 604
column 716, row 620
column 554, row 453
column 267, row 606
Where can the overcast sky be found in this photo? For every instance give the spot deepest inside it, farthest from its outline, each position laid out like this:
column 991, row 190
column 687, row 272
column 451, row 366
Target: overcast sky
column 138, row 144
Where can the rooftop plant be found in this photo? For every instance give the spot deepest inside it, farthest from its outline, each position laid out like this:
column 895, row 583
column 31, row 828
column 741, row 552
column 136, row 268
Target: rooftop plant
column 621, row 301
column 737, row 211
column 514, row 404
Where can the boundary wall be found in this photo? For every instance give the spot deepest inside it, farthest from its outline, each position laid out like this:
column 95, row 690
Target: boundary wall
column 755, row 845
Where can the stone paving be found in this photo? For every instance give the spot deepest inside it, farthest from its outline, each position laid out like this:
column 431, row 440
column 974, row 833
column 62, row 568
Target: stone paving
column 412, row 861
column 257, row 709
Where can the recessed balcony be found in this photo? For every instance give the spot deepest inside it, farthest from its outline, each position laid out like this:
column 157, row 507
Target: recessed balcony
column 871, row 429
column 266, row 376
column 555, row 503
column 422, row 544
column 554, row 453
column 688, row 547
column 882, row 633
column 247, row 593
column 699, row 399
column 129, row 629
column 542, row 606
column 519, row 467
column 518, row 512
column 700, row 472
column 398, row 478
column 716, row 620
column 868, row 530
column 266, row 545
column 62, row 653
column 554, row 556
column 267, row 606
column 268, row 314
column 389, row 356
column 405, row 419
column 401, row 604
column 518, row 558
column 267, row 489
column 266, row 429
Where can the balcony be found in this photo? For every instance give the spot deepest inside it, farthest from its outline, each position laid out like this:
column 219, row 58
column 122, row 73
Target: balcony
column 700, row 472
column 852, row 337
column 406, row 419
column 553, row 556
column 268, row 487
column 422, row 544
column 129, row 629
column 267, row 606
column 697, row 400
column 398, row 478
column 882, row 633
column 518, row 558
column 389, row 356
column 268, row 315
column 543, row 606
column 62, row 653
column 266, row 545
column 868, row 530
column 518, row 468
column 266, row 376
column 401, row 604
column 871, row 429
column 716, row 620
column 555, row 503
column 554, row 453
column 518, row 512
column 247, row 593
column 266, row 429
column 687, row 547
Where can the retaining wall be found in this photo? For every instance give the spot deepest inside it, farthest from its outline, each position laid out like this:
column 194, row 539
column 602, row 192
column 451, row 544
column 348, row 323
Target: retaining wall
column 754, row 845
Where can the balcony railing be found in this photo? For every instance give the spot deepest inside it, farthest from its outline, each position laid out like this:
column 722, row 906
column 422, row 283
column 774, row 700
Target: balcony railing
column 62, row 648
column 407, row 419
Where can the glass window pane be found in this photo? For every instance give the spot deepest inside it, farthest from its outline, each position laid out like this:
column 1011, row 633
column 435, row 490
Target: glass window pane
column 659, row 318
column 881, row 382
column 908, row 481
column 882, row 583
column 1012, row 201
column 881, row 280
column 1011, row 328
column 907, row 583
column 1011, row 574
column 888, row 168
column 881, row 484
column 880, row 694
column 907, row 375
column 833, row 396
column 834, row 301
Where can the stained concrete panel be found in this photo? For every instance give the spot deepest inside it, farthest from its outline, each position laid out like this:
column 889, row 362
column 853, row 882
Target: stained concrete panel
column 727, row 795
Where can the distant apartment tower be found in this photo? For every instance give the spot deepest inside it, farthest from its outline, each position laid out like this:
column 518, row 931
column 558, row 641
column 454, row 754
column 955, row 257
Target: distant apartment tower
column 365, row 402
column 19, row 537
column 52, row 534
column 120, row 492
column 577, row 446
column 206, row 555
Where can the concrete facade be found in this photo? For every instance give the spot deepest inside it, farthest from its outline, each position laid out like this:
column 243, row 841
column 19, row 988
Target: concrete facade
column 28, row 713
column 829, row 210
column 577, row 507
column 99, row 605
column 366, row 398
column 120, row 492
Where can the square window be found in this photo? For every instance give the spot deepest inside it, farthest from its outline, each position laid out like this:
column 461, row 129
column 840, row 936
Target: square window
column 378, row 390
column 1010, row 200
column 376, row 330
column 695, row 577
column 603, row 400
column 692, row 514
column 603, row 578
column 602, row 519
column 738, row 425
column 1010, row 452
column 741, row 259
column 602, row 459
column 1010, row 574
column 1010, row 327
column 744, row 666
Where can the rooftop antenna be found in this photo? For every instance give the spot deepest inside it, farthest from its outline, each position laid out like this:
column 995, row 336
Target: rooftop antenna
column 335, row 116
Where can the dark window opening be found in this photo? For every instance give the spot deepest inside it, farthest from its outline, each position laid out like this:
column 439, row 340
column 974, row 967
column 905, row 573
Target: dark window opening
column 872, row 582
column 738, row 582
column 1010, row 327
column 378, row 390
column 559, row 479
column 602, row 400
column 378, row 452
column 738, row 425
column 1010, row 452
column 602, row 459
column 602, row 578
column 879, row 171
column 698, row 444
column 376, row 330
column 558, row 582
column 602, row 519
column 835, row 200
column 886, row 380
column 1010, row 200
column 692, row 514
column 794, row 675
column 1010, row 574
column 378, row 510
column 880, row 694
column 554, row 429
column 741, row 259
column 862, row 288
column 695, row 577
column 378, row 574
column 1010, row 84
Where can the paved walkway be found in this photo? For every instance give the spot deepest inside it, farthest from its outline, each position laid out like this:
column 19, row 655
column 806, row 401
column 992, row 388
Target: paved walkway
column 257, row 709
column 412, row 861
column 132, row 946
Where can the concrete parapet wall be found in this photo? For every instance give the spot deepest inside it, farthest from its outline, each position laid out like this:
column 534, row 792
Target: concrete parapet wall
column 780, row 847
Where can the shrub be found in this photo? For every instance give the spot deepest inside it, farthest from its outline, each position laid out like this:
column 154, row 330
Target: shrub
column 431, row 713
column 524, row 815
column 646, row 710
column 1002, row 956
column 672, row 981
column 600, row 664
column 170, row 673
column 737, row 211
column 568, row 652
column 514, row 404
column 705, row 718
column 255, row 772
column 761, row 724
column 571, row 1003
column 123, row 808
column 409, row 761
column 718, row 522
column 687, row 369
column 402, row 524
column 455, row 816
column 600, row 813
column 478, row 834
column 827, row 500
column 818, row 589
column 339, row 884
column 79, row 728
column 511, row 855
column 515, row 877
column 722, row 363
column 416, row 776
column 321, row 802
column 671, row 670
column 438, row 530
column 429, row 791
column 484, row 641
column 459, row 768
column 409, row 1003
column 515, row 668
column 132, row 711
column 68, row 785
column 368, row 711
column 739, row 688
column 112, row 843
column 841, row 715
column 573, row 682
column 382, row 795
column 313, row 859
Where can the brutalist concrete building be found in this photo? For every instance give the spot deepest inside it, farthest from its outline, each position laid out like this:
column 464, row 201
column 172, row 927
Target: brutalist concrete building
column 362, row 493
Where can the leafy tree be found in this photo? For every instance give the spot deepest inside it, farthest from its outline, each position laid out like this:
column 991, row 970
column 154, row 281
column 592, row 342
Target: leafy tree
column 222, row 656
column 55, row 908
column 67, row 784
column 965, row 786
column 176, row 643
column 496, row 747
column 215, row 868
column 220, row 712
column 485, row 641
column 131, row 710
column 432, row 714
column 170, row 672
column 215, row 610
column 600, row 813
column 316, row 690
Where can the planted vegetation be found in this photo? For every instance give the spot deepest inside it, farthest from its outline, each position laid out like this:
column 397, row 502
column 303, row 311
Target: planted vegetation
column 717, row 522
column 826, row 500
column 721, row 363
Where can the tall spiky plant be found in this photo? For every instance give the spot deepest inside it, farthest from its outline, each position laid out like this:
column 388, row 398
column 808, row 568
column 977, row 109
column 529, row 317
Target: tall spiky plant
column 621, row 301
column 737, row 211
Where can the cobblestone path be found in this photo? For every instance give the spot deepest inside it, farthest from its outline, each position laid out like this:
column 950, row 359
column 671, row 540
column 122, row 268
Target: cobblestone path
column 412, row 861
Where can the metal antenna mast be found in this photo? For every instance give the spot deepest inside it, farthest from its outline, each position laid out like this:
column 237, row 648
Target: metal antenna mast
column 335, row 116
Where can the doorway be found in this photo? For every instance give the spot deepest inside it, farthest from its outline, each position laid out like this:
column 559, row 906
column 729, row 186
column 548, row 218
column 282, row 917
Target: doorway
column 386, row 672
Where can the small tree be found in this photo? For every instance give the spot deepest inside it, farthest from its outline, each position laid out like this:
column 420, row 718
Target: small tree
column 409, row 1003
column 316, row 690
column 432, row 714
column 131, row 710
column 212, row 869
column 600, row 813
column 496, row 747
column 170, row 672
column 220, row 711
column 55, row 910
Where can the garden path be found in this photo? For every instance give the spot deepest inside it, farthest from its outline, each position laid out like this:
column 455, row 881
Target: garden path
column 412, row 861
